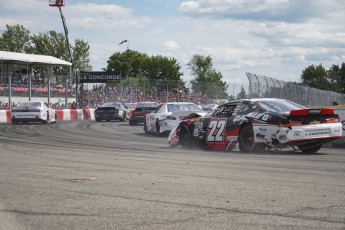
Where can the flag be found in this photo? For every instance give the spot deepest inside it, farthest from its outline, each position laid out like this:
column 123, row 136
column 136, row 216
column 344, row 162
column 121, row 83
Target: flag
column 123, row 42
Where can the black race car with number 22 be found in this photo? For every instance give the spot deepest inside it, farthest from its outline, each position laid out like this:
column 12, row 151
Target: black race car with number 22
column 255, row 125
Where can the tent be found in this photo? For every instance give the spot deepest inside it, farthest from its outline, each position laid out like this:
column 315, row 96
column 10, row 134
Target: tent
column 31, row 60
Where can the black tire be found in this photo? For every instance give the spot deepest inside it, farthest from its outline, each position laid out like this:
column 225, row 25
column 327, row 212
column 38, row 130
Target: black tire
column 310, row 147
column 185, row 137
column 123, row 117
column 14, row 121
column 145, row 128
column 246, row 138
column 157, row 131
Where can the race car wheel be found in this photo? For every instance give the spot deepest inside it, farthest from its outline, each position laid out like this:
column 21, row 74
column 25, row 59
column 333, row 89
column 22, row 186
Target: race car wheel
column 310, row 147
column 123, row 117
column 158, row 133
column 145, row 128
column 185, row 137
column 246, row 138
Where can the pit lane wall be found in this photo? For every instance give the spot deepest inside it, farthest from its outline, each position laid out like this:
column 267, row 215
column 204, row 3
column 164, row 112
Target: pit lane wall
column 62, row 115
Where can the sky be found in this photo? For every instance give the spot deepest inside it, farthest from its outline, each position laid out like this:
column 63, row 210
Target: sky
column 273, row 38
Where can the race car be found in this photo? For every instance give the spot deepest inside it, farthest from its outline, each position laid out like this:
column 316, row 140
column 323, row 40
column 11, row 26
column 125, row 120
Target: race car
column 256, row 125
column 137, row 114
column 33, row 111
column 167, row 115
column 110, row 111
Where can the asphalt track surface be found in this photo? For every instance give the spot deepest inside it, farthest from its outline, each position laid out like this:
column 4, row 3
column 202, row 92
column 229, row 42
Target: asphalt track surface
column 109, row 175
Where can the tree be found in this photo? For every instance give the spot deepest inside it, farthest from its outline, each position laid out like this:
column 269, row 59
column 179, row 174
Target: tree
column 199, row 66
column 18, row 39
column 320, row 78
column 159, row 71
column 242, row 94
column 128, row 63
column 315, row 77
column 207, row 80
column 342, row 77
column 81, row 60
column 54, row 44
column 15, row 39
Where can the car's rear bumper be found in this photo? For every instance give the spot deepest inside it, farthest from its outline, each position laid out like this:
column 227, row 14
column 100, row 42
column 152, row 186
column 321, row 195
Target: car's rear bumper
column 298, row 134
column 138, row 119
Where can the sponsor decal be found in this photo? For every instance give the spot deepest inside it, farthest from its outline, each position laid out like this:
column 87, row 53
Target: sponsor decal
column 260, row 136
column 265, row 117
column 297, row 133
column 318, row 133
column 314, row 111
column 231, row 138
column 262, row 129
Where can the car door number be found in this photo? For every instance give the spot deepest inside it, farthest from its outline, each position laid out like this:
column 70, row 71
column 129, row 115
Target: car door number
column 216, row 129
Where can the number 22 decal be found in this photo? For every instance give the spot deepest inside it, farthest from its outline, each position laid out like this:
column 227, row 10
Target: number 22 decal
column 216, row 129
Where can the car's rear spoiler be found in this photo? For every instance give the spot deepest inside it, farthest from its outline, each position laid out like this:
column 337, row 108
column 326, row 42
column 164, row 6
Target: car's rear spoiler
column 307, row 112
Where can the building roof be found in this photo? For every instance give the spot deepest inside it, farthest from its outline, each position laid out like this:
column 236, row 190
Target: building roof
column 30, row 59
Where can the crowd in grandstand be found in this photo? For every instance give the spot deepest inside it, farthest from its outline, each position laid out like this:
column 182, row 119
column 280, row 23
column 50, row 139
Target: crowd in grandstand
column 99, row 94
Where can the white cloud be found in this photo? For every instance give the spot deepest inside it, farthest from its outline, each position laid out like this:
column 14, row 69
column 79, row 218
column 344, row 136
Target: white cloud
column 276, row 38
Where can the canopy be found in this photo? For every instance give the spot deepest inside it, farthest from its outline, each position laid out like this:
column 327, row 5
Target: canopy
column 31, row 59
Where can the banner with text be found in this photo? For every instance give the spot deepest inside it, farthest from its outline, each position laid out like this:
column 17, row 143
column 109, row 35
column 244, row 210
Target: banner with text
column 100, row 77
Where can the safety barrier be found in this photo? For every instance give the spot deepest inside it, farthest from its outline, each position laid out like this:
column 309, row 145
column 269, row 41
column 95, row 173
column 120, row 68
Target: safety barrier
column 61, row 115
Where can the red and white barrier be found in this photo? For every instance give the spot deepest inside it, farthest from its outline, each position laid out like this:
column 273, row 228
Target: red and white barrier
column 61, row 114
column 5, row 116
column 75, row 114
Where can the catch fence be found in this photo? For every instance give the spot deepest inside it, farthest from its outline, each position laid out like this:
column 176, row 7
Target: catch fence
column 266, row 87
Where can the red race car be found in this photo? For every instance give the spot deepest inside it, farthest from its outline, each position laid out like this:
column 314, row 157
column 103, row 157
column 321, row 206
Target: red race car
column 255, row 125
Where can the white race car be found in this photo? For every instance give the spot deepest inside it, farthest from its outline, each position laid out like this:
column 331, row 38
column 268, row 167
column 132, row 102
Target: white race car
column 33, row 111
column 168, row 115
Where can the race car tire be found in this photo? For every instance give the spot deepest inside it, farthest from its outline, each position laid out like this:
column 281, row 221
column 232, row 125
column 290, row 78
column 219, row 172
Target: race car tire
column 310, row 147
column 157, row 130
column 123, row 117
column 145, row 128
column 185, row 137
column 246, row 138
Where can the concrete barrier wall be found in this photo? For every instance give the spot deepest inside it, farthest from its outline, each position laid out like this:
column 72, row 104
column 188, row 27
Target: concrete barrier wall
column 62, row 115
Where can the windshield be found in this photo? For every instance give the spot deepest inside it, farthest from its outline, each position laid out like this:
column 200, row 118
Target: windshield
column 280, row 105
column 36, row 104
column 111, row 105
column 183, row 107
column 147, row 105
column 130, row 105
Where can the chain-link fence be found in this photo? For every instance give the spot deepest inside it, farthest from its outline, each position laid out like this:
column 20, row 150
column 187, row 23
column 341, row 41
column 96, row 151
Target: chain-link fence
column 127, row 90
column 261, row 87
column 136, row 90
